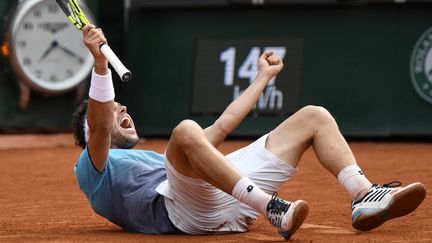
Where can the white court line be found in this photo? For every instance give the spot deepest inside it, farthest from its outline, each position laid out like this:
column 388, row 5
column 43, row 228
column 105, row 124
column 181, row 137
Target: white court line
column 328, row 229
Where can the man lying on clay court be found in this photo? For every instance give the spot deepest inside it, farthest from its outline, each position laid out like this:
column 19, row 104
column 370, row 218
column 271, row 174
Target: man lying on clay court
column 193, row 189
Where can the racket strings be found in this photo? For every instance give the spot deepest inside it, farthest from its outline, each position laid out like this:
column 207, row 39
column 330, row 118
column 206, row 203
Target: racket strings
column 73, row 12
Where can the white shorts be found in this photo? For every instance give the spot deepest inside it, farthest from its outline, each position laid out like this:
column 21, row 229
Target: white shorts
column 196, row 207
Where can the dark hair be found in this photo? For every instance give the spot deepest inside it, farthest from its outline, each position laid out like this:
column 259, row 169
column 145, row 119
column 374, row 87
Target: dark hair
column 78, row 124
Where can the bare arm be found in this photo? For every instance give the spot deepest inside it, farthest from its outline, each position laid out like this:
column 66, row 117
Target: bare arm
column 99, row 114
column 269, row 65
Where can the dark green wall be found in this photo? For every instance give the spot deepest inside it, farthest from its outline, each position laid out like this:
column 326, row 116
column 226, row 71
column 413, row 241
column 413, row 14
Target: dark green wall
column 355, row 63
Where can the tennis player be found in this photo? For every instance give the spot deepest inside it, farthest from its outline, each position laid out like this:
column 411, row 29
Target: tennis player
column 193, row 189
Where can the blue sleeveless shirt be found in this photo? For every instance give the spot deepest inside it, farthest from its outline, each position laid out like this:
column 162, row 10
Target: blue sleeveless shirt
column 124, row 191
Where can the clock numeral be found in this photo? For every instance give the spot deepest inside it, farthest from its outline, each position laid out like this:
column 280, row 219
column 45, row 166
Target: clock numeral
column 38, row 73
column 22, row 43
column 37, row 13
column 53, row 78
column 52, row 8
column 27, row 61
column 69, row 73
column 28, row 26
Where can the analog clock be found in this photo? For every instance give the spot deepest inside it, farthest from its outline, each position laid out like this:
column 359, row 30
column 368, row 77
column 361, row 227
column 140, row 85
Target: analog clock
column 47, row 52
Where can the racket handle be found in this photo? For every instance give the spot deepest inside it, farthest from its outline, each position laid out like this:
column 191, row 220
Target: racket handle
column 115, row 62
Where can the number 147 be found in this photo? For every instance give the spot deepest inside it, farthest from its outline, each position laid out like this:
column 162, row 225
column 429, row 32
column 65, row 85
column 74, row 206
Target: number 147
column 249, row 67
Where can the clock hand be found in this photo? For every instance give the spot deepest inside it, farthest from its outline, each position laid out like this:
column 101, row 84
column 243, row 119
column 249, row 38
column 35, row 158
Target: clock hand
column 48, row 51
column 70, row 53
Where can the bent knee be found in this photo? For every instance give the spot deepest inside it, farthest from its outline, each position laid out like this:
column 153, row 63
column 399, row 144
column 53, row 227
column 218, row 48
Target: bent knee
column 317, row 114
column 187, row 131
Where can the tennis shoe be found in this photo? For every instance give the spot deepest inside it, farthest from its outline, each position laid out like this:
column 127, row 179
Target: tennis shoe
column 286, row 216
column 382, row 203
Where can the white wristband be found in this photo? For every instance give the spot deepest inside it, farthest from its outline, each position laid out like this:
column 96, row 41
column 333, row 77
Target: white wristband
column 101, row 87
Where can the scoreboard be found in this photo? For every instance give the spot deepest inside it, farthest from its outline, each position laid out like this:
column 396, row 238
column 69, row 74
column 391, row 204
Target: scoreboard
column 225, row 67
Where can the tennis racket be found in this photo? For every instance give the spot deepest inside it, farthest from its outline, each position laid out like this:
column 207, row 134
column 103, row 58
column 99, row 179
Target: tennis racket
column 77, row 17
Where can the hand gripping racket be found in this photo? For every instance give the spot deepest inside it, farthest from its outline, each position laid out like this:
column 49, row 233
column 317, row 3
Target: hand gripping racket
column 78, row 19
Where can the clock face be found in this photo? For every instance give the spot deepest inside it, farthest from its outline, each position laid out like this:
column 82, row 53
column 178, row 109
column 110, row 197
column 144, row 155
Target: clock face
column 49, row 53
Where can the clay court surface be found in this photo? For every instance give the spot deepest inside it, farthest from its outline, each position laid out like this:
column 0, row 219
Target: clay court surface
column 40, row 199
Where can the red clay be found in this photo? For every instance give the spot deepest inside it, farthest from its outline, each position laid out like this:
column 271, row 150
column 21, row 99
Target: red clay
column 40, row 199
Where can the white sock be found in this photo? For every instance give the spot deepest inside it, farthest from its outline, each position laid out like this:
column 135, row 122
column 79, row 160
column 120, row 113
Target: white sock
column 247, row 192
column 354, row 181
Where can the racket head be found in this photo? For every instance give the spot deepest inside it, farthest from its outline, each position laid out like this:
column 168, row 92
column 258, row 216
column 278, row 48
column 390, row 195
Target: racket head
column 74, row 12
column 78, row 11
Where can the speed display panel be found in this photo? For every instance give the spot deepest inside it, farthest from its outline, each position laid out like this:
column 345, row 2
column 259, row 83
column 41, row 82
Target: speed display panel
column 224, row 68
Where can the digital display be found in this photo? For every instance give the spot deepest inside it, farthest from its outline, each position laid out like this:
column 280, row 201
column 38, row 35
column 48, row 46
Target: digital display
column 225, row 68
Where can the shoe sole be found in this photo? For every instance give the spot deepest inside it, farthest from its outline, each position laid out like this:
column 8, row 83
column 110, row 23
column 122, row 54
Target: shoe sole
column 300, row 213
column 401, row 204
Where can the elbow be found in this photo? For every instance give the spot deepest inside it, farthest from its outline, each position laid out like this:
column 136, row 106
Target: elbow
column 223, row 126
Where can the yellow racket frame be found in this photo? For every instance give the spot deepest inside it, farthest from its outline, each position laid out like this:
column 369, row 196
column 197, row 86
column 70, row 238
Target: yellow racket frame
column 79, row 13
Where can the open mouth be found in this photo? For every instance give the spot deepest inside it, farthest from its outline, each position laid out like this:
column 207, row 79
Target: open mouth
column 126, row 123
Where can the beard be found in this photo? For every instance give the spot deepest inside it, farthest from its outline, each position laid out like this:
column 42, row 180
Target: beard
column 122, row 141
